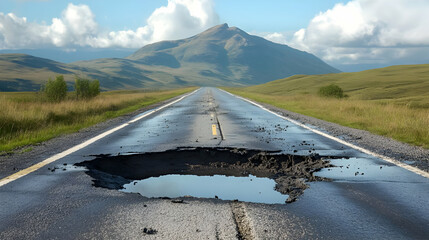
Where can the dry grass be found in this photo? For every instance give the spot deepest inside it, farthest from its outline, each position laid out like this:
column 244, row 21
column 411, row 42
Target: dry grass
column 401, row 122
column 25, row 118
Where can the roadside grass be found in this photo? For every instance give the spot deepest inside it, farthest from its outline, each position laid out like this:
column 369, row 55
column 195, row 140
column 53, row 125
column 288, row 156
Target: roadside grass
column 392, row 102
column 26, row 118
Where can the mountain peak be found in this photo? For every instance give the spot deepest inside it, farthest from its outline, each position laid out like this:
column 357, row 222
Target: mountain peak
column 221, row 26
column 222, row 31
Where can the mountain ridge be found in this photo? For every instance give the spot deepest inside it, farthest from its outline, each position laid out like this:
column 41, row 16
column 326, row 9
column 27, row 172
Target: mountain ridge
column 219, row 56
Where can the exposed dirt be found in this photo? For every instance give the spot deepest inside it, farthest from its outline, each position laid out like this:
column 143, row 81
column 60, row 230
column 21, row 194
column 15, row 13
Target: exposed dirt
column 291, row 172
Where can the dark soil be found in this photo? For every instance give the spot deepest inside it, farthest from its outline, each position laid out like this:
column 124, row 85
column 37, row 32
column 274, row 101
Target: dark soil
column 291, row 172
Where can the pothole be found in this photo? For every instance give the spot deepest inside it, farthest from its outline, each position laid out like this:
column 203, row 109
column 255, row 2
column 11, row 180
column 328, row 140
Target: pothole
column 219, row 167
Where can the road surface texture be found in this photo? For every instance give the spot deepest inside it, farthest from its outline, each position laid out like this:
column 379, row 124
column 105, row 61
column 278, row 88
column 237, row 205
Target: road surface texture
column 355, row 196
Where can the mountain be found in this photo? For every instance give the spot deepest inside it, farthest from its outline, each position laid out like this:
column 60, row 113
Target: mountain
column 232, row 55
column 20, row 72
column 220, row 56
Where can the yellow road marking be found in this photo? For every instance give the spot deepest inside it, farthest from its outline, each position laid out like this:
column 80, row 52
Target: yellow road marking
column 214, row 131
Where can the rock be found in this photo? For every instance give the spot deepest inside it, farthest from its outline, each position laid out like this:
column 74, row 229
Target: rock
column 149, row 231
column 290, row 200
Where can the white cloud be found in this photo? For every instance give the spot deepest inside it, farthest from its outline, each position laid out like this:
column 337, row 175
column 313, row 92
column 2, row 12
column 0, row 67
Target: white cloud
column 276, row 37
column 18, row 32
column 77, row 27
column 366, row 31
column 182, row 18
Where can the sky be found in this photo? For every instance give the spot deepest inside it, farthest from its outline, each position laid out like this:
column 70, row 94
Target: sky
column 355, row 32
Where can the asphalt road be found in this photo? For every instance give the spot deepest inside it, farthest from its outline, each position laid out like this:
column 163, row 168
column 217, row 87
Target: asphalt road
column 386, row 202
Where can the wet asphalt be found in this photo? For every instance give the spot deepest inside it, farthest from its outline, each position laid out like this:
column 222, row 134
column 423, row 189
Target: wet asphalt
column 368, row 198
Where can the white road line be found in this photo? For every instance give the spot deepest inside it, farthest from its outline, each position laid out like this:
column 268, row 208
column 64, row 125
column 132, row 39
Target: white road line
column 69, row 151
column 385, row 158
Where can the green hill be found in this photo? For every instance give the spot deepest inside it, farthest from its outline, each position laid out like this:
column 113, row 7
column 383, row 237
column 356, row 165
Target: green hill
column 19, row 72
column 405, row 84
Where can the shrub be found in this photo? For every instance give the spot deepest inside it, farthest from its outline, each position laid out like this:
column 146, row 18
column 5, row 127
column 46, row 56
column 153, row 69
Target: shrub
column 331, row 91
column 94, row 88
column 55, row 90
column 86, row 88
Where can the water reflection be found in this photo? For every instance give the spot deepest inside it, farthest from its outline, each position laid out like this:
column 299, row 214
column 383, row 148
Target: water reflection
column 247, row 189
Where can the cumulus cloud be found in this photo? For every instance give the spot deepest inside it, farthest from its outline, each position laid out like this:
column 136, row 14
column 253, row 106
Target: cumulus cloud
column 77, row 26
column 365, row 31
column 179, row 19
column 13, row 31
column 276, row 37
column 182, row 18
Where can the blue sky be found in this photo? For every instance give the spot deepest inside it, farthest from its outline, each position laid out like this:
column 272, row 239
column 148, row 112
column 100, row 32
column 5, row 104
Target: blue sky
column 250, row 15
column 350, row 32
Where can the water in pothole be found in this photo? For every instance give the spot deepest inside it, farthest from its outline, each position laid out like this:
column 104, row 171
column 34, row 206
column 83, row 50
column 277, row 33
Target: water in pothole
column 246, row 189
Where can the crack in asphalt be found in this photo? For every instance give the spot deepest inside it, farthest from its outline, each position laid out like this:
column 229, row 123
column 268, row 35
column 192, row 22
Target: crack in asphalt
column 242, row 221
column 213, row 109
column 219, row 126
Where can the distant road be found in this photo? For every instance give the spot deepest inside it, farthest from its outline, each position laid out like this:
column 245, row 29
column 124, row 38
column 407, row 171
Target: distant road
column 368, row 198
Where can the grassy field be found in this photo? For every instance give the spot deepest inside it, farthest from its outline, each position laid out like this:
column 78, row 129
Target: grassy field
column 26, row 118
column 392, row 102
